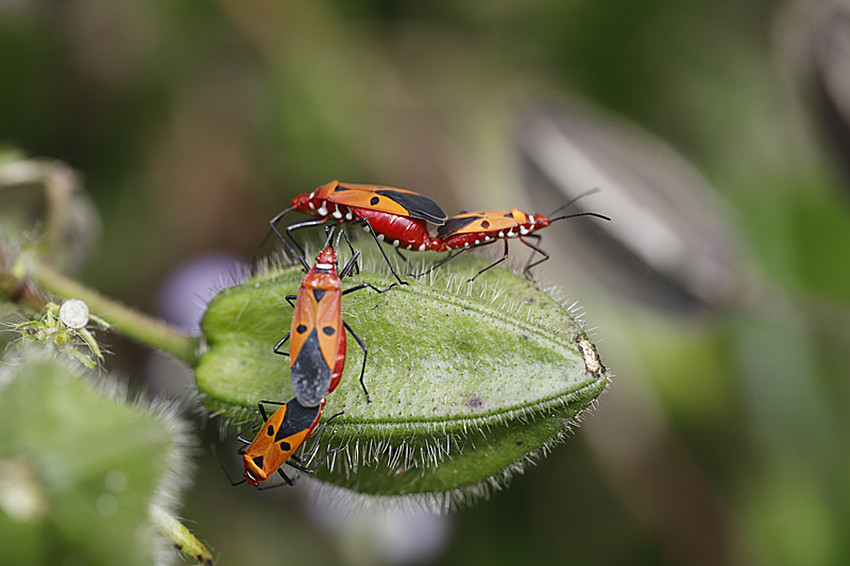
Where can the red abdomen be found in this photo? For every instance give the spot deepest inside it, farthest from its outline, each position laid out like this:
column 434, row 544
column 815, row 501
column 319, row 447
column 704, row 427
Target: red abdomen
column 459, row 241
column 401, row 231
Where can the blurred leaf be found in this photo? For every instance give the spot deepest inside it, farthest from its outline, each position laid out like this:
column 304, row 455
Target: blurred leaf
column 77, row 470
column 670, row 244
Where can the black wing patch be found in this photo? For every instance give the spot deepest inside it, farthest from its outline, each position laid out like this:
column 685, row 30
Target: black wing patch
column 297, row 418
column 456, row 223
column 311, row 376
column 418, row 206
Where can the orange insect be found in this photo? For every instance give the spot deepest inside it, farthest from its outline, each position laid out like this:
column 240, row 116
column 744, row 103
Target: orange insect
column 470, row 230
column 318, row 344
column 277, row 440
column 396, row 215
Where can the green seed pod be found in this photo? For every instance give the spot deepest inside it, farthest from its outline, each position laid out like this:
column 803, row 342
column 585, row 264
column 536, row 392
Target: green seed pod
column 469, row 382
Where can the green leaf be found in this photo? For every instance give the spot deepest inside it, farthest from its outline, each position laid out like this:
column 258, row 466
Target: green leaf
column 468, row 381
column 78, row 469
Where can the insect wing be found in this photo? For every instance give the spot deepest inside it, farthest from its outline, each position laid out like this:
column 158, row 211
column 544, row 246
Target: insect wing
column 400, row 202
column 303, row 321
column 259, row 455
column 297, row 424
column 486, row 221
column 297, row 421
column 316, row 330
column 281, row 435
column 329, row 318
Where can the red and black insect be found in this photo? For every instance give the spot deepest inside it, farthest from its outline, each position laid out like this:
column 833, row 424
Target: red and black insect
column 318, row 344
column 277, row 440
column 471, row 230
column 397, row 216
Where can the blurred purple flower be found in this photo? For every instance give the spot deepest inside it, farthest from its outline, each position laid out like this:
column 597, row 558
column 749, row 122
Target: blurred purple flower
column 183, row 297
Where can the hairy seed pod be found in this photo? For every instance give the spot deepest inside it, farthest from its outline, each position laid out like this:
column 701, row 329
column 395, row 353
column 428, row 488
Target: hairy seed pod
column 468, row 382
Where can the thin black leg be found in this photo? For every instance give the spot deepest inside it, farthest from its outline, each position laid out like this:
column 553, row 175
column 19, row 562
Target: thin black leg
column 365, row 355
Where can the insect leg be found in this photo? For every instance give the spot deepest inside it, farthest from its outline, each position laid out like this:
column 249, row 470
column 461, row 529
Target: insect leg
column 401, row 255
column 250, row 426
column 261, row 405
column 494, row 264
column 365, row 355
column 289, row 481
column 297, row 226
column 381, row 248
column 352, row 263
column 310, row 452
column 293, row 255
column 276, row 349
column 272, row 230
column 450, row 257
column 283, row 341
column 223, row 469
column 351, row 248
column 318, row 465
column 368, row 286
column 534, row 249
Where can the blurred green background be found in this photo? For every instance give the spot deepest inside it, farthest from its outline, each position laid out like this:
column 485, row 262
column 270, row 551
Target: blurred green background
column 723, row 439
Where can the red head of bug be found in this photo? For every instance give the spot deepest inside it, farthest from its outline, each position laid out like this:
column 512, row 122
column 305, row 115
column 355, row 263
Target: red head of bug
column 326, row 260
column 301, row 203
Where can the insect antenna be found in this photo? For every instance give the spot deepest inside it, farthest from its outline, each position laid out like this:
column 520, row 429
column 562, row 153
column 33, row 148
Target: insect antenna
column 573, row 200
column 596, row 214
column 223, row 469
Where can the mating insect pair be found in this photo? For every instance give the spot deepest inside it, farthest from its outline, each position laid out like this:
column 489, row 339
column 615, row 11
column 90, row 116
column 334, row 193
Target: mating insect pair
column 400, row 217
column 317, row 359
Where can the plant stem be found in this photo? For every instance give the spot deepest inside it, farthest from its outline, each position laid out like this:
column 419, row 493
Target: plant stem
column 130, row 322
